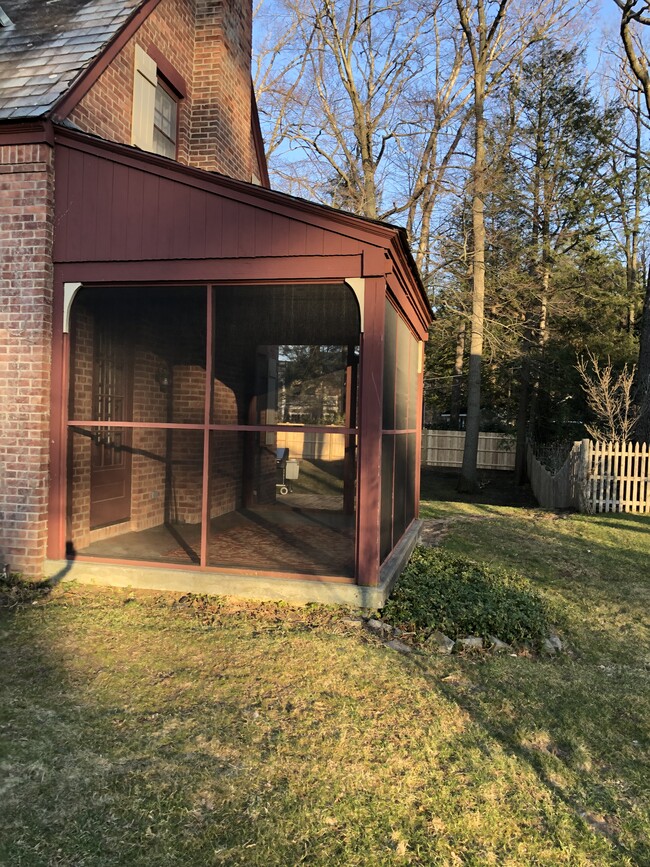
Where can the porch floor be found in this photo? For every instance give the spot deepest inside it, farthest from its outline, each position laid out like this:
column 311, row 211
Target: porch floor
column 302, row 533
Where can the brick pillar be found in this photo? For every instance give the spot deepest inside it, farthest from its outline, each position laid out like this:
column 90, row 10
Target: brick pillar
column 26, row 234
column 220, row 138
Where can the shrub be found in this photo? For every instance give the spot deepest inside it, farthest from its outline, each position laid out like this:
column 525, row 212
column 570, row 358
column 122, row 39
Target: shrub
column 458, row 596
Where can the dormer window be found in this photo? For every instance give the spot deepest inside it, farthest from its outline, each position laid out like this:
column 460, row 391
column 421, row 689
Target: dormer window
column 156, row 96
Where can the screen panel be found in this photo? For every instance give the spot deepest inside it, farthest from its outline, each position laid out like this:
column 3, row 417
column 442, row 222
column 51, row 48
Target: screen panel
column 390, row 355
column 293, row 362
column 387, row 465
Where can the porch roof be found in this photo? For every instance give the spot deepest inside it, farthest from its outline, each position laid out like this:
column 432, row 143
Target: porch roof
column 117, row 204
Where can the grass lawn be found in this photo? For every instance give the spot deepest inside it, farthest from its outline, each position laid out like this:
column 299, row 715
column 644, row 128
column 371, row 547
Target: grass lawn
column 152, row 729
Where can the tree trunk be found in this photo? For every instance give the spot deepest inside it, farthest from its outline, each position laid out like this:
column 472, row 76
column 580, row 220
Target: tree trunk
column 454, row 403
column 632, row 260
column 521, row 473
column 468, row 481
column 642, row 431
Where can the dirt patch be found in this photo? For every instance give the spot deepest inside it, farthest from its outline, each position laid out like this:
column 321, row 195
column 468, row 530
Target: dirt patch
column 434, row 530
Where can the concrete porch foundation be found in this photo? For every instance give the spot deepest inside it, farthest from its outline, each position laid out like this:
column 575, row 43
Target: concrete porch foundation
column 243, row 586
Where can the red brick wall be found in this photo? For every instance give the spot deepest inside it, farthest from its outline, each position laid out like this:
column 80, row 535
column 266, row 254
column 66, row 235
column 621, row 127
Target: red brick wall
column 221, row 114
column 106, row 110
column 81, row 373
column 210, row 48
column 26, row 226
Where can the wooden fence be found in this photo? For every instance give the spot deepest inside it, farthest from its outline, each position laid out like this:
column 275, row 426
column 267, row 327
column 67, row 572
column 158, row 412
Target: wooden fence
column 312, row 446
column 561, row 490
column 596, row 477
column 440, row 448
column 617, row 477
column 444, row 448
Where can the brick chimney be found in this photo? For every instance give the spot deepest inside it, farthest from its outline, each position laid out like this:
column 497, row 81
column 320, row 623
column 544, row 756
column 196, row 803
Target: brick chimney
column 220, row 137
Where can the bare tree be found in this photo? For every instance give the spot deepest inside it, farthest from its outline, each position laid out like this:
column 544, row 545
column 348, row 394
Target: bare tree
column 277, row 71
column 634, row 15
column 628, row 167
column 497, row 35
column 636, row 12
column 610, row 397
column 365, row 103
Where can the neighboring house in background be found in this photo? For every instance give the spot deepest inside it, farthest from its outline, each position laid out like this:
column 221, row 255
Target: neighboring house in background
column 149, row 278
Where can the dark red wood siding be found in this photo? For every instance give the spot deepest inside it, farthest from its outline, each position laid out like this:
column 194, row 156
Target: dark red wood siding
column 107, row 211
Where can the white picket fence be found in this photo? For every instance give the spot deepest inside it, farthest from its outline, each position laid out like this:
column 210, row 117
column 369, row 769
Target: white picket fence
column 444, row 448
column 596, row 477
column 617, row 477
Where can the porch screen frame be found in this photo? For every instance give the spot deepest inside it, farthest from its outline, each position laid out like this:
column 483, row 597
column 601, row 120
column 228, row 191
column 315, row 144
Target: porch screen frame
column 62, row 426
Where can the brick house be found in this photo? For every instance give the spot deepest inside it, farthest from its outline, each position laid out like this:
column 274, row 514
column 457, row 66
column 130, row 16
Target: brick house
column 165, row 318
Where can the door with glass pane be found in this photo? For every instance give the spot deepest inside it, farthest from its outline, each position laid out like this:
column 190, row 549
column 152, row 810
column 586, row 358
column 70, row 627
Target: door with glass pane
column 110, row 455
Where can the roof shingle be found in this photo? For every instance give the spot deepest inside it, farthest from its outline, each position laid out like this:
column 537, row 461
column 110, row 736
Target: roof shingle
column 48, row 44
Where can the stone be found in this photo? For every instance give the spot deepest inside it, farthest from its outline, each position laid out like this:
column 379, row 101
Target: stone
column 378, row 627
column 352, row 622
column 556, row 641
column 472, row 642
column 441, row 642
column 548, row 647
column 498, row 646
column 400, row 646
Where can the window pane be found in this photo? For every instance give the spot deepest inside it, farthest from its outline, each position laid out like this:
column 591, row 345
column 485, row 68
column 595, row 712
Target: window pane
column 164, row 123
column 162, row 145
column 413, row 384
column 400, row 487
column 404, row 341
column 387, row 464
column 410, row 478
column 390, row 354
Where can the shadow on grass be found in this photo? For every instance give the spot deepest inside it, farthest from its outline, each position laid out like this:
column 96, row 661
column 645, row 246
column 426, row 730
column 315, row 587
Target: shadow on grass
column 580, row 724
column 497, row 488
column 102, row 762
column 635, row 523
column 582, row 741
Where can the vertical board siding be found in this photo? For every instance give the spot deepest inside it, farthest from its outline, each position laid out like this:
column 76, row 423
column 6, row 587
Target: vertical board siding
column 107, row 211
column 117, row 227
column 444, row 448
column 150, row 193
column 102, row 246
column 596, row 477
column 76, row 216
column 136, row 216
column 90, row 226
